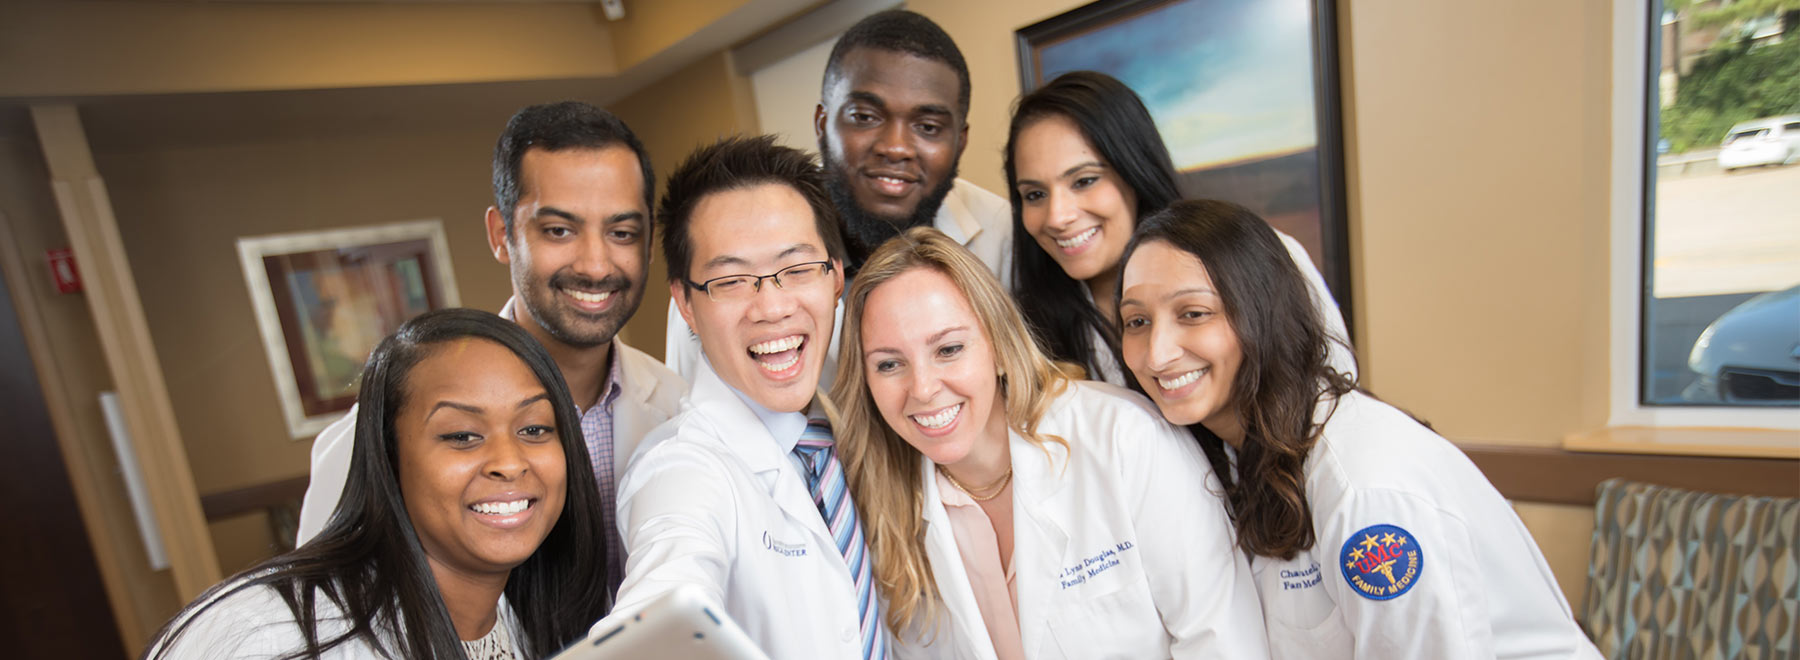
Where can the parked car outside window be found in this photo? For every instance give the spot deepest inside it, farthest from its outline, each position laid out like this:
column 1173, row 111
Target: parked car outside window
column 1766, row 141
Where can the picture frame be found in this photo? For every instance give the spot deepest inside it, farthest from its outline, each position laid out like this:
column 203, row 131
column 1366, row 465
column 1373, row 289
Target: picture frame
column 323, row 299
column 1245, row 94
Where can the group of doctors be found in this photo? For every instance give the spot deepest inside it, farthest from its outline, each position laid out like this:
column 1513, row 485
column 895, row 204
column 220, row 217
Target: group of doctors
column 906, row 418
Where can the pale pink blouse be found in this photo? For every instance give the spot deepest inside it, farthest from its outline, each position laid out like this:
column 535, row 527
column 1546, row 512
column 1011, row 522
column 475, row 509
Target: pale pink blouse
column 980, row 550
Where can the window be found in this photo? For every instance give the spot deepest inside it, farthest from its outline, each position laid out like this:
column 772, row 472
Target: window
column 1706, row 226
column 1721, row 223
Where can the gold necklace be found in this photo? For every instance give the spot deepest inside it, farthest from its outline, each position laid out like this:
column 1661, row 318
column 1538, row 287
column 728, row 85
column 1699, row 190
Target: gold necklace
column 996, row 487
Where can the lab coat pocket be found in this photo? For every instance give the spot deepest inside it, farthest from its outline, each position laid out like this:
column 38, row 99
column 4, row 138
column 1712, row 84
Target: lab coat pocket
column 1121, row 624
column 1293, row 592
column 1325, row 640
column 1303, row 621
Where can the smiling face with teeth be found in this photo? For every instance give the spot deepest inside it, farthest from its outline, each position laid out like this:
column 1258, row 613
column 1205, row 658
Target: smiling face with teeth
column 580, row 244
column 480, row 463
column 1177, row 340
column 891, row 127
column 1072, row 202
column 931, row 371
column 771, row 345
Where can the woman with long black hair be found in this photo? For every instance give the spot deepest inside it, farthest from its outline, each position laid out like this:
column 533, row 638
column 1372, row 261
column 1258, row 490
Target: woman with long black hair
column 1084, row 162
column 469, row 525
column 1370, row 535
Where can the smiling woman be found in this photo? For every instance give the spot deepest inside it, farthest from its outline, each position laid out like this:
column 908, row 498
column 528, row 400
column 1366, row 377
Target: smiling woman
column 1421, row 557
column 1005, row 499
column 451, row 538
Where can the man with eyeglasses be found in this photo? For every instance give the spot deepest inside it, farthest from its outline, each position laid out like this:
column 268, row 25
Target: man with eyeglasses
column 892, row 123
column 741, row 494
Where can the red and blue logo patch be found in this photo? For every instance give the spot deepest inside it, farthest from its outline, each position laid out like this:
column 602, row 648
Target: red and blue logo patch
column 1381, row 562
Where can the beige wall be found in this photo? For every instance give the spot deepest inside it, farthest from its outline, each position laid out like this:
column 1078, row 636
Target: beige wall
column 1477, row 138
column 180, row 211
column 181, row 207
column 1480, row 138
column 787, row 94
column 692, row 108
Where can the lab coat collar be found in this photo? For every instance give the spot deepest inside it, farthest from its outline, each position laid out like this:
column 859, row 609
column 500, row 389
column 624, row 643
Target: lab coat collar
column 1037, row 482
column 784, row 428
column 746, row 435
column 953, row 584
column 1040, row 537
column 954, row 218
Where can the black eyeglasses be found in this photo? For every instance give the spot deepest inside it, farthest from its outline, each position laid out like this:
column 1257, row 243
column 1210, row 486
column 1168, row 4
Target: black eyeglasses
column 732, row 288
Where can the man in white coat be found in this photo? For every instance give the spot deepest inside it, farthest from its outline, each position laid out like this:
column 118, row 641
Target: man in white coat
column 892, row 122
column 571, row 220
column 741, row 494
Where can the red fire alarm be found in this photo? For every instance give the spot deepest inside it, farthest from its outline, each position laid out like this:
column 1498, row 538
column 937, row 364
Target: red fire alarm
column 62, row 271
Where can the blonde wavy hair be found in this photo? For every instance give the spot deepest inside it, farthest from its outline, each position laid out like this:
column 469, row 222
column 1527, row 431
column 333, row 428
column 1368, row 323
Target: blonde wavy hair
column 882, row 469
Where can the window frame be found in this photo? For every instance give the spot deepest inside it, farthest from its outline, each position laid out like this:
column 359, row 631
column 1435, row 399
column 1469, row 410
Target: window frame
column 1630, row 199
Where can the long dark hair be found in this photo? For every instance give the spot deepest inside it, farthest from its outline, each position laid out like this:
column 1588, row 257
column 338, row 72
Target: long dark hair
column 1285, row 370
column 367, row 560
column 1118, row 126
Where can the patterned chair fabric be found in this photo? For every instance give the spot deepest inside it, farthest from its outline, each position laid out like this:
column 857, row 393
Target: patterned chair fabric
column 1682, row 574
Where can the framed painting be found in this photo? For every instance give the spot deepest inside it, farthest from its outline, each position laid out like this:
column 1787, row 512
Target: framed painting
column 324, row 299
column 1244, row 92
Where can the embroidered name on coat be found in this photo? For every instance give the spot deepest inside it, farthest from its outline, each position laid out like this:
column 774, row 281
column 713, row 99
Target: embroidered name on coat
column 1077, row 574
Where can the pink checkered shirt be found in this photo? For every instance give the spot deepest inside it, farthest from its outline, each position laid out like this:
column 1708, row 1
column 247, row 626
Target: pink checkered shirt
column 597, row 430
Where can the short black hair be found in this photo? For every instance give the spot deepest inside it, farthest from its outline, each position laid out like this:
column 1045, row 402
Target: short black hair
column 734, row 163
column 555, row 127
column 907, row 32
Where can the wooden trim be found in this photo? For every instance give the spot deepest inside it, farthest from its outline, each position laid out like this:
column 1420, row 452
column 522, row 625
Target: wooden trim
column 244, row 500
column 86, row 471
column 125, row 340
column 1688, row 441
column 1558, row 476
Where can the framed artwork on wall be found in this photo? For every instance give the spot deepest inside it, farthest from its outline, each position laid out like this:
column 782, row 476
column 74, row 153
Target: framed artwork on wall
column 324, row 299
column 1244, row 92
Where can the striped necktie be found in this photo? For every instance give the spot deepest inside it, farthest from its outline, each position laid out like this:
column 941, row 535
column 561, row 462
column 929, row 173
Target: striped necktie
column 825, row 478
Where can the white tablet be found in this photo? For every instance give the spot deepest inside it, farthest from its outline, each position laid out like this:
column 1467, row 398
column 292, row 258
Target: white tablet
column 683, row 623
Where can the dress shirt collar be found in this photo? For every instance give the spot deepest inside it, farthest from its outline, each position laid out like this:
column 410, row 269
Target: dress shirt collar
column 784, row 427
column 615, row 376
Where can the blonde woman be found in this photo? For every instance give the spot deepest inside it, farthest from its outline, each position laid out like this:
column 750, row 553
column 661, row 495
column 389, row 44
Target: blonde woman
column 1012, row 511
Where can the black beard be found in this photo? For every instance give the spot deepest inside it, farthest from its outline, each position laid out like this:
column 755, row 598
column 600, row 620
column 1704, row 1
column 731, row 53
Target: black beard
column 575, row 328
column 864, row 230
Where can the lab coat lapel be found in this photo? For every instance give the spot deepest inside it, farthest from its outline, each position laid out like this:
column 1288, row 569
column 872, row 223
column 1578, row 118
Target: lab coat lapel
column 1040, row 535
column 953, row 583
column 743, row 433
column 633, row 414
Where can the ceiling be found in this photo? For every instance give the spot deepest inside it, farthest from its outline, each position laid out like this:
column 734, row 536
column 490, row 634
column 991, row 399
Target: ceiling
column 132, row 122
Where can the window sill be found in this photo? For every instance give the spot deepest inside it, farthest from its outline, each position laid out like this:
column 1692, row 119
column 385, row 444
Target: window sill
column 1688, row 441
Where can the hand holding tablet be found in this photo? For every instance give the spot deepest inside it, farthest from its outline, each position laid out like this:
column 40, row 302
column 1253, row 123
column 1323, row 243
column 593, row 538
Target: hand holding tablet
column 681, row 624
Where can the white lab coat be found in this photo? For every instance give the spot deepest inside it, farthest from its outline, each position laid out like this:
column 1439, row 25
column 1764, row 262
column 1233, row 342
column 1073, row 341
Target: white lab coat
column 1122, row 546
column 650, row 394
column 1482, row 589
column 712, row 500
column 254, row 623
column 973, row 217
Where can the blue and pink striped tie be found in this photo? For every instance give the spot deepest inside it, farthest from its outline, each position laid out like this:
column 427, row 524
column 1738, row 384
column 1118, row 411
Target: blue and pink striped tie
column 825, row 477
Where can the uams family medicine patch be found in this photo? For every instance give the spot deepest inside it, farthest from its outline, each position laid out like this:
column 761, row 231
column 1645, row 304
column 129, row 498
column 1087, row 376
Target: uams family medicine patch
column 1381, row 562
